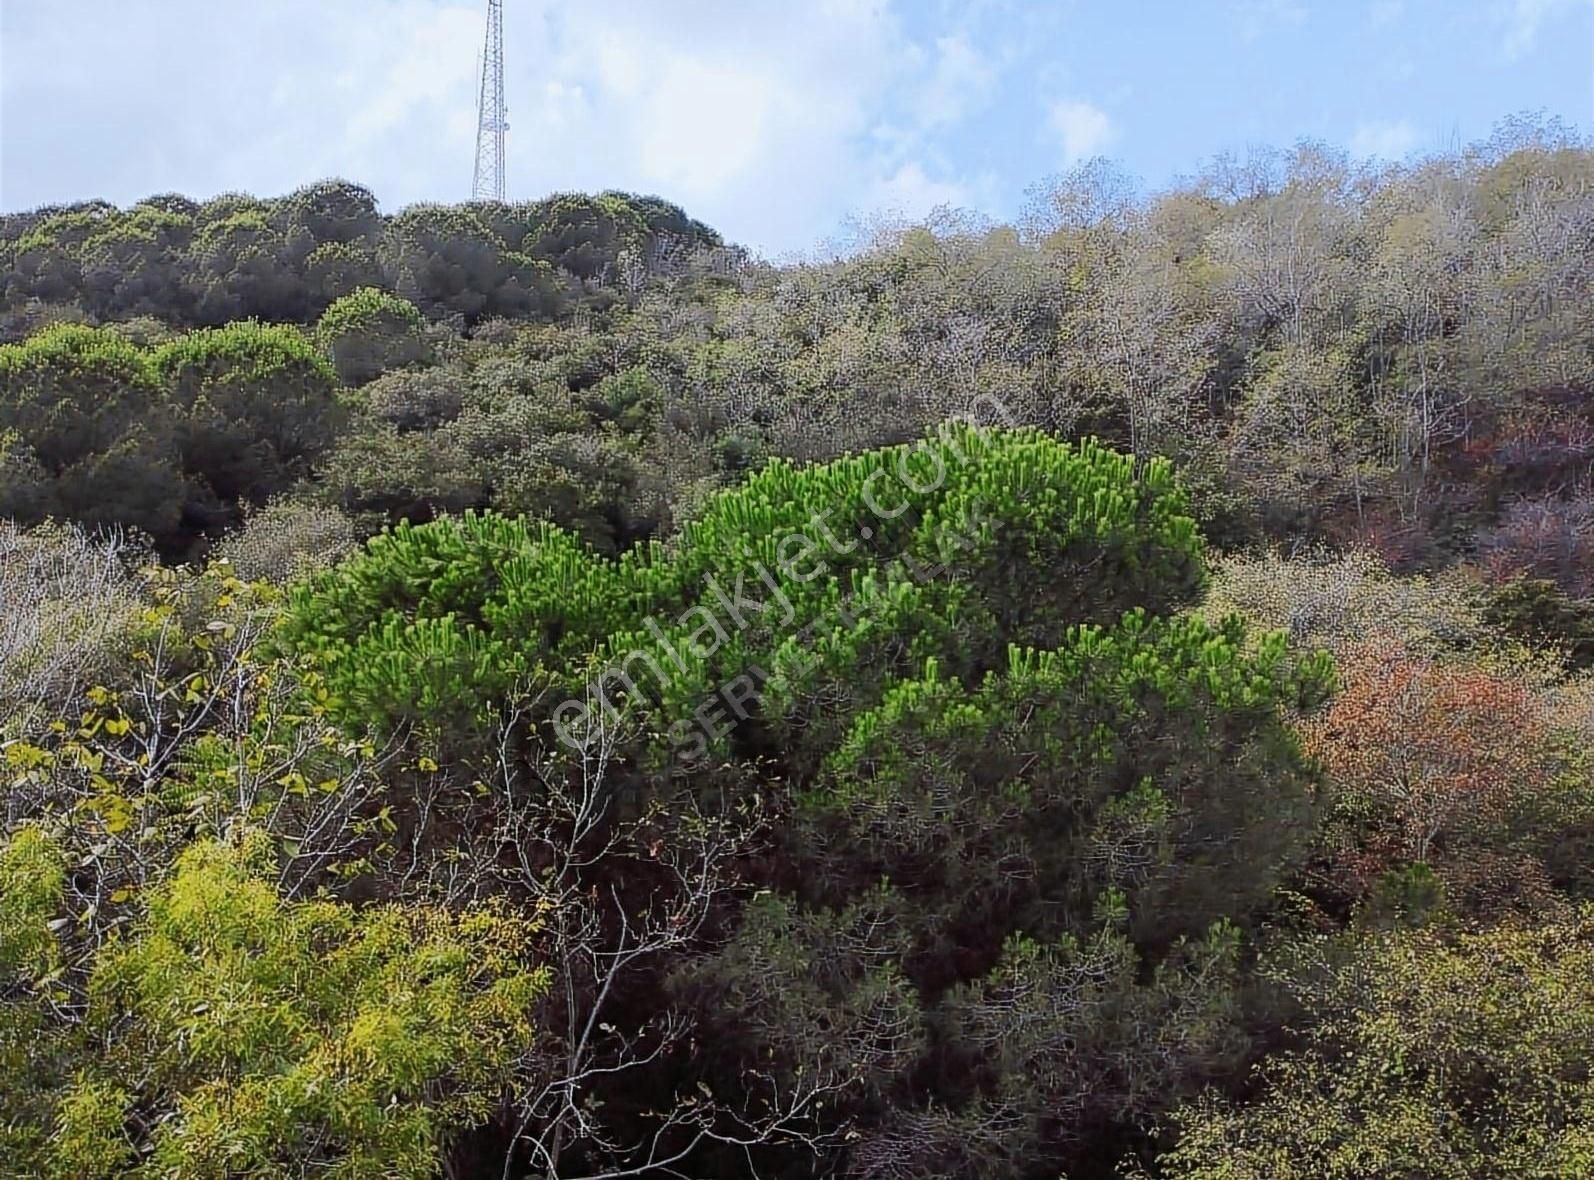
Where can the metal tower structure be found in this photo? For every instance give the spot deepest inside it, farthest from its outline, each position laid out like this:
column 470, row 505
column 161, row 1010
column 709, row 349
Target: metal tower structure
column 492, row 115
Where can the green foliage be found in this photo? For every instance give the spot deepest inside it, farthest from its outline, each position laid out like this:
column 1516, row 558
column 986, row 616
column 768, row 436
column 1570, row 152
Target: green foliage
column 586, row 484
column 366, row 309
column 961, row 659
column 104, row 433
column 448, row 263
column 382, row 475
column 1075, row 1033
column 814, row 990
column 406, row 633
column 1166, row 332
column 242, row 266
column 953, row 787
column 1537, row 611
column 260, row 403
column 581, row 234
column 288, row 259
column 71, row 391
column 257, row 1036
column 1008, row 522
column 336, row 269
column 557, row 436
column 25, row 492
column 333, row 212
column 369, row 333
column 32, row 876
column 1463, row 1058
column 87, row 410
column 1056, row 912
column 414, row 400
column 905, row 812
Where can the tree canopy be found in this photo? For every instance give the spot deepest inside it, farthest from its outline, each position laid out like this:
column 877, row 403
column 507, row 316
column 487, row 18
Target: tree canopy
column 532, row 690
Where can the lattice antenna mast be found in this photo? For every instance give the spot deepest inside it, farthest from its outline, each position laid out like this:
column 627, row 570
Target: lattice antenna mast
column 492, row 115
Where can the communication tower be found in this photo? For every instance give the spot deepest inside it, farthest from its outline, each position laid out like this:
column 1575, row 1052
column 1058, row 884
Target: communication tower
column 492, row 115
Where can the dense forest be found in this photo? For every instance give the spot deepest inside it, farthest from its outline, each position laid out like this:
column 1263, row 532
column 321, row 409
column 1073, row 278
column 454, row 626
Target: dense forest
column 536, row 691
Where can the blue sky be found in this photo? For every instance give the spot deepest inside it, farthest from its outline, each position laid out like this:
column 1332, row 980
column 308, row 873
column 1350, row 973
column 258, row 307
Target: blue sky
column 774, row 121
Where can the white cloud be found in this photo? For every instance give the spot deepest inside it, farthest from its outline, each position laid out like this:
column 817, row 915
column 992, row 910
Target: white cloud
column 763, row 119
column 155, row 95
column 687, row 95
column 910, row 193
column 758, row 118
column 431, row 63
column 1384, row 140
column 1084, row 129
column 1524, row 19
column 960, row 83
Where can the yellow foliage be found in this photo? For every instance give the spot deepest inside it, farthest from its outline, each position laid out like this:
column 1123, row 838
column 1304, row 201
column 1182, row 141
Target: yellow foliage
column 272, row 1037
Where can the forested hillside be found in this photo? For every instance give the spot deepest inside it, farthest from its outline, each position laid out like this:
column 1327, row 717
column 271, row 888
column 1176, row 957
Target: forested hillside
column 535, row 691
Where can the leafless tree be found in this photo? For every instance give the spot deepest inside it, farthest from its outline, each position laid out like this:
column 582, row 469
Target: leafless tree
column 626, row 882
column 68, row 597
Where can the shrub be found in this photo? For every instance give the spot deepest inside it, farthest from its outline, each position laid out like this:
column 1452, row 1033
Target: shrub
column 71, row 603
column 1461, row 1059
column 259, row 406
column 381, row 476
column 87, row 412
column 422, row 400
column 255, row 1036
column 1537, row 611
column 369, row 332
column 1028, row 537
column 288, row 539
column 32, row 872
column 1018, row 785
column 1049, row 937
column 1449, row 763
column 1546, row 538
column 1340, row 601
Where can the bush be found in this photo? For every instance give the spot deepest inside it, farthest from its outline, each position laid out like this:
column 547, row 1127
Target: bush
column 255, row 1036
column 369, row 332
column 1029, row 807
column 259, row 406
column 1053, row 950
column 1537, row 611
column 1012, row 522
column 421, row 400
column 71, row 604
column 25, row 491
column 288, row 539
column 1340, row 601
column 1460, row 1059
column 87, row 412
column 1546, row 538
column 381, row 476
column 1451, row 764
column 32, row 873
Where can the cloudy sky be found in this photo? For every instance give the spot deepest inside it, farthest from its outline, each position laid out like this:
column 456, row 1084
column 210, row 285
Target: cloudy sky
column 775, row 120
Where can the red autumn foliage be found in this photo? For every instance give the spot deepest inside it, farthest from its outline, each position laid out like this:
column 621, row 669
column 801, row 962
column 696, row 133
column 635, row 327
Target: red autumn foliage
column 1549, row 538
column 1431, row 758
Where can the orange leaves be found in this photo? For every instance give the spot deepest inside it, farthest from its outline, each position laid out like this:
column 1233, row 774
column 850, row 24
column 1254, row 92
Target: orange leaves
column 1428, row 754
